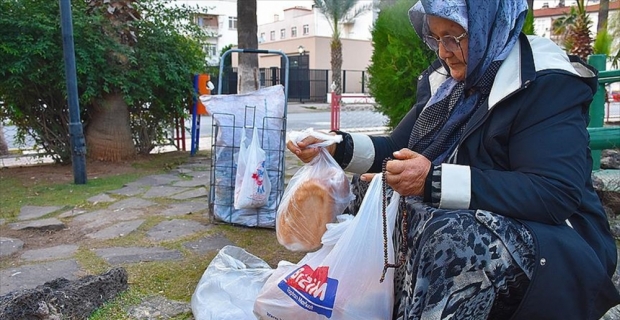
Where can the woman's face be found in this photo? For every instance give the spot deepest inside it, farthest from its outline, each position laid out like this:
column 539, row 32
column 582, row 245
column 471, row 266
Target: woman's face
column 457, row 58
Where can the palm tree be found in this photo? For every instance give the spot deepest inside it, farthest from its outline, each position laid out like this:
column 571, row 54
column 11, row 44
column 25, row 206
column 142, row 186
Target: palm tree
column 613, row 28
column 603, row 13
column 574, row 29
column 338, row 12
column 4, row 148
column 247, row 30
column 108, row 135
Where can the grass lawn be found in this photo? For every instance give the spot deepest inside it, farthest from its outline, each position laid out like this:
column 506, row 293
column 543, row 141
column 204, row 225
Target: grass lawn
column 52, row 185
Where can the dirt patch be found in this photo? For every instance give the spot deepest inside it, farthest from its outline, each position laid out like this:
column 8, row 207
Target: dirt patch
column 36, row 239
column 56, row 173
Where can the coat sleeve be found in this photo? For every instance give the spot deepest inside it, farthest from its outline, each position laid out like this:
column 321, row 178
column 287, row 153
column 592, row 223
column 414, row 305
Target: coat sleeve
column 361, row 153
column 548, row 155
column 399, row 137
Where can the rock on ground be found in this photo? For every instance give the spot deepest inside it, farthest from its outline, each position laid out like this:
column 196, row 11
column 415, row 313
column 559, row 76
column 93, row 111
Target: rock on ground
column 64, row 299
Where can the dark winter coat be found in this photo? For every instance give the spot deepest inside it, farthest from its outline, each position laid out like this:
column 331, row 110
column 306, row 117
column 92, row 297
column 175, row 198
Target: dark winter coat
column 524, row 154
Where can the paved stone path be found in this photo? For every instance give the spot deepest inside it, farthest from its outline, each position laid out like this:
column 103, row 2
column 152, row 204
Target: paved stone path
column 121, row 212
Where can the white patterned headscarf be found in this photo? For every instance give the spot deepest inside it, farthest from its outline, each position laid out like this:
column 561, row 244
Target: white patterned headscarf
column 493, row 27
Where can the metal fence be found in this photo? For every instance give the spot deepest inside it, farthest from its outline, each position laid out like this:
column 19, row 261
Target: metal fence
column 305, row 85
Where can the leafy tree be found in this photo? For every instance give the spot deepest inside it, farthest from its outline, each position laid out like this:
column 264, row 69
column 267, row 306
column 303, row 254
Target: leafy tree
column 338, row 12
column 399, row 57
column 134, row 67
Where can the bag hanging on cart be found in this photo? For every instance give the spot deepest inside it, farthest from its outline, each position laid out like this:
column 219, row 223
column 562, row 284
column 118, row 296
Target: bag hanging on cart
column 231, row 115
column 252, row 185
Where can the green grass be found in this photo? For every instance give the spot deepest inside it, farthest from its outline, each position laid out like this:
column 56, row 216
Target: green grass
column 15, row 195
column 174, row 280
column 20, row 189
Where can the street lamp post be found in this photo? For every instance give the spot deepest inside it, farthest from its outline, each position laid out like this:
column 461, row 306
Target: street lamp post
column 301, row 51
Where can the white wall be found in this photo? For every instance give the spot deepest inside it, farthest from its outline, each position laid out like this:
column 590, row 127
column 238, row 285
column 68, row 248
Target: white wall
column 319, row 25
column 223, row 9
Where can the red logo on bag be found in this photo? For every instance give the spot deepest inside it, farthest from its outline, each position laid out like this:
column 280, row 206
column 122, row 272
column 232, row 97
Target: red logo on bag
column 311, row 281
column 311, row 289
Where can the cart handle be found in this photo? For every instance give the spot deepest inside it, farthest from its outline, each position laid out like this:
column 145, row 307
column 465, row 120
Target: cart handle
column 259, row 51
column 255, row 51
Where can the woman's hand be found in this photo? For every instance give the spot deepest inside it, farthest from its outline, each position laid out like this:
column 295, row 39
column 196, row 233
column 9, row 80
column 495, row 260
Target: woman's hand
column 305, row 153
column 406, row 174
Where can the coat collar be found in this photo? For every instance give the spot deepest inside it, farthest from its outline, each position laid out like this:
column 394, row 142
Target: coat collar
column 529, row 56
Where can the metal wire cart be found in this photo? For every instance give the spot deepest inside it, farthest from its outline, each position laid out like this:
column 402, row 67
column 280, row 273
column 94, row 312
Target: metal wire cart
column 236, row 115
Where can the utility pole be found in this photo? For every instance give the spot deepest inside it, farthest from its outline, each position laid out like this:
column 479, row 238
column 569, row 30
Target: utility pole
column 78, row 147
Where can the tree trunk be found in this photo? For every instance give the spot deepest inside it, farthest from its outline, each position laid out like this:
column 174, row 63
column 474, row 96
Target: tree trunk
column 108, row 135
column 4, row 148
column 246, row 38
column 336, row 62
column 603, row 13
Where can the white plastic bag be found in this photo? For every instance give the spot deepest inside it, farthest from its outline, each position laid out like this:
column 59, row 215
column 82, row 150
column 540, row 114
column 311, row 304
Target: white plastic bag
column 341, row 280
column 315, row 195
column 240, row 161
column 252, row 185
column 229, row 286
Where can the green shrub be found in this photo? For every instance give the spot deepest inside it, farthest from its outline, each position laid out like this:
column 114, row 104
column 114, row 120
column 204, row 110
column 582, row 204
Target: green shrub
column 528, row 27
column 398, row 58
column 603, row 42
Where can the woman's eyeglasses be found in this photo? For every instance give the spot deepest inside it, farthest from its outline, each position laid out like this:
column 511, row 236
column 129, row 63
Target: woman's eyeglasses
column 450, row 43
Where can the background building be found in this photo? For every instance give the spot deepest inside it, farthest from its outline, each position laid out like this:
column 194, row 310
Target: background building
column 221, row 22
column 302, row 33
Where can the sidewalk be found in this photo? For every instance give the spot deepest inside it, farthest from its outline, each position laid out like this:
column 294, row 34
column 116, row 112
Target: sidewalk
column 179, row 199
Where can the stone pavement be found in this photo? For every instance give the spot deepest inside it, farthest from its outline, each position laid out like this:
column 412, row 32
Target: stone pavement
column 180, row 196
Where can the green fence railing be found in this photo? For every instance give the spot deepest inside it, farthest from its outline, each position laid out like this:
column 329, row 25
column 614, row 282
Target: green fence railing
column 601, row 136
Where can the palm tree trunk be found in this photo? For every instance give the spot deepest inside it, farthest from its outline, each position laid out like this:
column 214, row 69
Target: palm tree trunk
column 603, row 13
column 108, row 135
column 4, row 148
column 246, row 38
column 336, row 64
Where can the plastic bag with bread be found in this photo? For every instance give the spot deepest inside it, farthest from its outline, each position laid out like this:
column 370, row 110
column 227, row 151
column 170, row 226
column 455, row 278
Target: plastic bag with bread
column 317, row 193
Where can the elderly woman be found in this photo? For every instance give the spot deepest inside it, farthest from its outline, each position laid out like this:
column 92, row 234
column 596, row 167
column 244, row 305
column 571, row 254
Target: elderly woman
column 502, row 220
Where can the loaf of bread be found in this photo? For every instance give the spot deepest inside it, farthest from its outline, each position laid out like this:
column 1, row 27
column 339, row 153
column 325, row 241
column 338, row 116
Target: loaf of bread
column 302, row 217
column 302, row 223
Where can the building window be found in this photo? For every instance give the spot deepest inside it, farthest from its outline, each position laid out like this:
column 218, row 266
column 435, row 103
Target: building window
column 272, row 35
column 262, row 37
column 293, row 32
column 306, row 29
column 211, row 50
column 282, row 33
column 232, row 23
